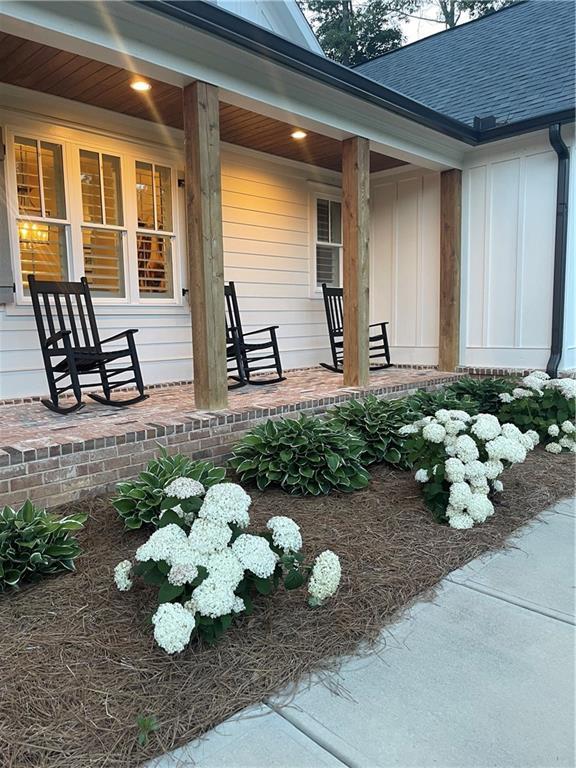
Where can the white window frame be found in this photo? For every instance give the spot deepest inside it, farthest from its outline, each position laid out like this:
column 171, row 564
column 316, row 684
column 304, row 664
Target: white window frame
column 172, row 234
column 13, row 207
column 332, row 194
column 72, row 140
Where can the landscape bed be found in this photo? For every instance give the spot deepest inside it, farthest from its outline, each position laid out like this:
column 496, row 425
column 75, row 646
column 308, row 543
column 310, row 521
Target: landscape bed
column 79, row 664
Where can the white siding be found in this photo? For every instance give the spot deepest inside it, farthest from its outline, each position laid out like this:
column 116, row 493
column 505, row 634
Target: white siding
column 509, row 196
column 405, row 248
column 267, row 251
column 569, row 357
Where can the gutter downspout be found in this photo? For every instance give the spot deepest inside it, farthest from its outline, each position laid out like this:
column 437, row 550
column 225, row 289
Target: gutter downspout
column 560, row 246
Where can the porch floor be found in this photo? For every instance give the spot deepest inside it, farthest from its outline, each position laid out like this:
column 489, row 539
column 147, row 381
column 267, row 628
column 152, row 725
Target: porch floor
column 30, row 425
column 54, row 459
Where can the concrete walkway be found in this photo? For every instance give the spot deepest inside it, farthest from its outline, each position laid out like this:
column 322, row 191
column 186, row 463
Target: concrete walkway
column 483, row 676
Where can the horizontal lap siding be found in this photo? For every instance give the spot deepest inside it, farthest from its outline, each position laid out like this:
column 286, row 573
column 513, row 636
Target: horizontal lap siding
column 266, row 242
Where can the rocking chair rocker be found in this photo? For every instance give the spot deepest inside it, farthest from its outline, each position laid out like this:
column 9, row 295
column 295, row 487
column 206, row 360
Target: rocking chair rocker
column 333, row 304
column 71, row 346
column 247, row 355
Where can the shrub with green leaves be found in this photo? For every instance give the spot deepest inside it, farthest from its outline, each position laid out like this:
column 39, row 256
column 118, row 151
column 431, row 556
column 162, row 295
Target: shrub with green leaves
column 483, row 392
column 427, row 403
column 35, row 543
column 139, row 501
column 377, row 423
column 301, row 456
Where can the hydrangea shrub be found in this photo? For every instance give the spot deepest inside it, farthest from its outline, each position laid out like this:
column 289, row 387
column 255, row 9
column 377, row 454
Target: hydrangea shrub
column 35, row 543
column 459, row 459
column 301, row 456
column 211, row 570
column 377, row 423
column 138, row 502
column 546, row 405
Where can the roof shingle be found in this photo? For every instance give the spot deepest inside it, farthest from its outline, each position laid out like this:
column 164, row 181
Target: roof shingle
column 515, row 64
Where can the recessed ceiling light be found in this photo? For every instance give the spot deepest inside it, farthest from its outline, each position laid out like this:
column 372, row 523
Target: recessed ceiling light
column 140, row 85
column 299, row 134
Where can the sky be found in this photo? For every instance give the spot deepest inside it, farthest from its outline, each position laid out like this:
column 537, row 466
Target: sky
column 417, row 28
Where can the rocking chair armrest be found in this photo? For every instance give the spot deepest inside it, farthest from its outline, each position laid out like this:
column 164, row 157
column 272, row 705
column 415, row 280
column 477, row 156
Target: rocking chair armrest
column 378, row 325
column 262, row 330
column 56, row 337
column 121, row 335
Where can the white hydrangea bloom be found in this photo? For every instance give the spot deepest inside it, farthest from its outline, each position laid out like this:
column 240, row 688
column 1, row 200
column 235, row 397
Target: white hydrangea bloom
column 480, row 507
column 505, row 397
column 454, row 426
column 182, row 573
column 433, row 432
column 409, row 429
column 460, row 521
column 533, row 382
column 173, row 627
column 239, row 605
column 466, row 448
column 226, row 568
column 162, row 544
column 325, row 577
column 506, row 448
column 486, row 426
column 553, row 430
column 422, row 476
column 184, row 488
column 206, row 536
column 474, row 469
column 454, row 470
column 520, row 392
column 566, row 442
column 568, row 427
column 498, row 486
column 226, row 503
column 533, row 436
column 285, row 533
column 511, row 431
column 460, row 495
column 255, row 555
column 214, row 598
column 459, row 415
column 554, row 448
column 479, row 485
column 540, row 375
column 442, row 415
column 493, row 468
column 566, row 386
column 122, row 575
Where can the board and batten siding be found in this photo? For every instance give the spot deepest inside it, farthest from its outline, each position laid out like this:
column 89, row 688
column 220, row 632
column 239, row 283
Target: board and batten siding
column 405, row 264
column 509, row 204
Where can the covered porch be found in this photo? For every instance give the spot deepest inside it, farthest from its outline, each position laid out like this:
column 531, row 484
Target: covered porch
column 54, row 460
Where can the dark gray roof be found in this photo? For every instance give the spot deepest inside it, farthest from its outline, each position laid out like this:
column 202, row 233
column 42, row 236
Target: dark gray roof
column 515, row 64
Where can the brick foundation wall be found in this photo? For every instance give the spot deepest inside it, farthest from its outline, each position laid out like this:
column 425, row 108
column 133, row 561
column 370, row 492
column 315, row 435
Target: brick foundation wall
column 58, row 474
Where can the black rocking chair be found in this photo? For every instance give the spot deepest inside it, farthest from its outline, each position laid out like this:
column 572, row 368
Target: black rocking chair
column 71, row 346
column 247, row 355
column 334, row 305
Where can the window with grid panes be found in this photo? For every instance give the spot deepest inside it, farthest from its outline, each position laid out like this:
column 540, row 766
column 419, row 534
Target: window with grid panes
column 328, row 242
column 41, row 219
column 155, row 233
column 103, row 233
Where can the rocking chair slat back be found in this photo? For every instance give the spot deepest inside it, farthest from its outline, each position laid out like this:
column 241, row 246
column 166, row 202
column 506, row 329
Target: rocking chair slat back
column 53, row 315
column 233, row 320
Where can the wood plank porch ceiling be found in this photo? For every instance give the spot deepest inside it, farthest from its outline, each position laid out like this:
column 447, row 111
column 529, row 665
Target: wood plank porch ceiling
column 50, row 70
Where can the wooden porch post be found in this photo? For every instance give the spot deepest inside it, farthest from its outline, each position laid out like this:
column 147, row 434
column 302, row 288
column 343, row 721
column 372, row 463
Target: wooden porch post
column 205, row 246
column 450, row 246
column 356, row 240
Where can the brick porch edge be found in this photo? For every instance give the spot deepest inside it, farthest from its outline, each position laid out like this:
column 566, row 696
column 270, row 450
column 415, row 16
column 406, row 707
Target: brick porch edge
column 58, row 474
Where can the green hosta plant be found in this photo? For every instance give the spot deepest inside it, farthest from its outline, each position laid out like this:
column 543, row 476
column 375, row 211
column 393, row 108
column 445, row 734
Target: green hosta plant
column 142, row 500
column 427, row 403
column 483, row 392
column 377, row 423
column 34, row 543
column 301, row 456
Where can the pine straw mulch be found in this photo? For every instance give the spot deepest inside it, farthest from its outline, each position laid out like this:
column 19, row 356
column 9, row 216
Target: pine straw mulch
column 79, row 664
